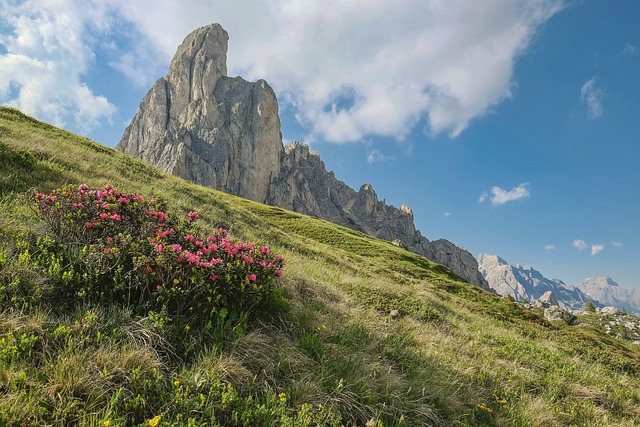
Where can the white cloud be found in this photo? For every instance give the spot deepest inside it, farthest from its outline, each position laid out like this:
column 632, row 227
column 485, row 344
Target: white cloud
column 580, row 244
column 445, row 214
column 376, row 156
column 350, row 70
column 45, row 58
column 617, row 244
column 592, row 96
column 550, row 248
column 501, row 196
column 630, row 49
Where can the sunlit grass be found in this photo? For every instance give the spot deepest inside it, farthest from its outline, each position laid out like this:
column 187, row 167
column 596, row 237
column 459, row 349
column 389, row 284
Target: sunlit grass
column 370, row 331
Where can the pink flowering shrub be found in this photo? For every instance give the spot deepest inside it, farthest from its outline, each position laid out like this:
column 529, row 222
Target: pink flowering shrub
column 129, row 250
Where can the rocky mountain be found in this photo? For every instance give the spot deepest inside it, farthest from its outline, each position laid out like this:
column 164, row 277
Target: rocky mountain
column 224, row 132
column 608, row 292
column 526, row 283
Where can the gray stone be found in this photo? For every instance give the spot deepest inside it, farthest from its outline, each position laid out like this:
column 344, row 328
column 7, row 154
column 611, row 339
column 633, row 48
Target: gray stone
column 548, row 299
column 554, row 313
column 459, row 260
column 211, row 129
column 224, row 133
column 609, row 311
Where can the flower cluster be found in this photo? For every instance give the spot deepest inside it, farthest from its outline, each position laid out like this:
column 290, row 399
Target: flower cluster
column 200, row 274
column 135, row 252
column 82, row 216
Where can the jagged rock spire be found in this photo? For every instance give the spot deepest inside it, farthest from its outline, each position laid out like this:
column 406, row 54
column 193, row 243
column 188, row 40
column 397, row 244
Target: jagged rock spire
column 224, row 133
column 199, row 62
column 211, row 129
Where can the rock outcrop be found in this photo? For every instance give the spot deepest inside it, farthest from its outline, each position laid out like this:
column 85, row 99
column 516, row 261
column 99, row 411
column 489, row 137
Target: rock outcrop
column 201, row 125
column 526, row 283
column 224, row 133
column 548, row 299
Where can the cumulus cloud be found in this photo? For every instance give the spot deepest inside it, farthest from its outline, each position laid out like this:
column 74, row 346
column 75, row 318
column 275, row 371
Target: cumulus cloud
column 592, row 97
column 596, row 249
column 350, row 70
column 580, row 244
column 501, row 196
column 550, row 247
column 44, row 59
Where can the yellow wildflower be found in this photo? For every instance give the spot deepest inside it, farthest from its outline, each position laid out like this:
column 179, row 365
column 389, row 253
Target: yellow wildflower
column 283, row 397
column 106, row 423
column 481, row 406
column 153, row 422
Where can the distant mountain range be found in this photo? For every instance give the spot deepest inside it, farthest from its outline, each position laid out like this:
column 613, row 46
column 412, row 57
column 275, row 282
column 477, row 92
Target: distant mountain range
column 608, row 292
column 528, row 284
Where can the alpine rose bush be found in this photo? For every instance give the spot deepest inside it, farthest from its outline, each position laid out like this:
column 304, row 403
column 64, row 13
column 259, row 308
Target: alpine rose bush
column 129, row 250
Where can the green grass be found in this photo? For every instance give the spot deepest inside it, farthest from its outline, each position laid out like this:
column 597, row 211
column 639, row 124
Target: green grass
column 453, row 355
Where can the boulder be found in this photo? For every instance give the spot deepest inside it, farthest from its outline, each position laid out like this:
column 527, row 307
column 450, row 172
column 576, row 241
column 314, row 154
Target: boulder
column 609, row 311
column 548, row 299
column 554, row 313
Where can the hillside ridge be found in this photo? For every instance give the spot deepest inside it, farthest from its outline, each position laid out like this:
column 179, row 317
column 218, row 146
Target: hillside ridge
column 224, row 133
column 366, row 332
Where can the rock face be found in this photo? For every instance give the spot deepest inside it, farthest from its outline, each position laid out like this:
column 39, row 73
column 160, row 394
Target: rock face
column 526, row 283
column 608, row 292
column 548, row 299
column 224, row 133
column 211, row 129
column 459, row 260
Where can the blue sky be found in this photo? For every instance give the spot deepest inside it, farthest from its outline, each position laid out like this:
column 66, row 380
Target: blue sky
column 509, row 127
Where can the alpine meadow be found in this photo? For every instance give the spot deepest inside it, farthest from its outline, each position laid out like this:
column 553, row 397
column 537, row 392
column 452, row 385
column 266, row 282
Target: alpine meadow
column 342, row 329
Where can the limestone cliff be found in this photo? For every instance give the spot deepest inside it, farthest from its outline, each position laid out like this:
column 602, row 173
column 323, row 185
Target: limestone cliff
column 224, row 133
column 211, row 129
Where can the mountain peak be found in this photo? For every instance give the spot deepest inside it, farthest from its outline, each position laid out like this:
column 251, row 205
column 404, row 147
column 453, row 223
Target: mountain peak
column 224, row 133
column 526, row 283
column 608, row 292
column 488, row 258
column 600, row 281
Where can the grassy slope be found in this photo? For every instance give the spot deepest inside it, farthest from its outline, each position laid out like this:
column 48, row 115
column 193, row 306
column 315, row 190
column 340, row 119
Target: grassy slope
column 455, row 355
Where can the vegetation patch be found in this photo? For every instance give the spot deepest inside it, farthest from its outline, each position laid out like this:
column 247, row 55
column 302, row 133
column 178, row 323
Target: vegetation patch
column 109, row 324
